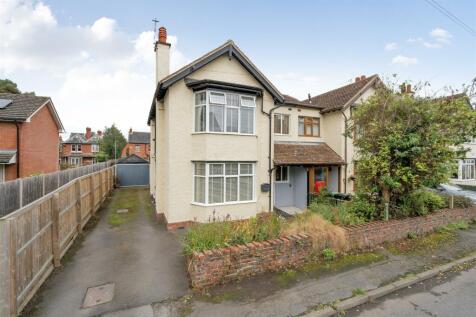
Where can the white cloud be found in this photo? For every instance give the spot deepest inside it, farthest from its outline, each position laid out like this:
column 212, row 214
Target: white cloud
column 391, row 46
column 95, row 74
column 404, row 60
column 440, row 37
column 440, row 34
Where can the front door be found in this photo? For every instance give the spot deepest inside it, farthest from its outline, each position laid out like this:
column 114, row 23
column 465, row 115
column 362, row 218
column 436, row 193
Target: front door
column 317, row 176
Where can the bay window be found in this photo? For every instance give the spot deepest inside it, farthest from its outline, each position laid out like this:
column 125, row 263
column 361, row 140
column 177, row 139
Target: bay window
column 221, row 183
column 224, row 112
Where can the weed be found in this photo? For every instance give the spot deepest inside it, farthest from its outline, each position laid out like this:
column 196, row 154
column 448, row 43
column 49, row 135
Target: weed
column 358, row 291
column 412, row 235
column 286, row 277
column 328, row 254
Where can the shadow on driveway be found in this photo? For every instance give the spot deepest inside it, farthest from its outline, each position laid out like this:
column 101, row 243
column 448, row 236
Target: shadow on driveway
column 129, row 249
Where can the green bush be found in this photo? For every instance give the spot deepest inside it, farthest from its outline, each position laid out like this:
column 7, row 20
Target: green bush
column 361, row 207
column 221, row 234
column 420, row 203
column 458, row 201
column 328, row 254
column 323, row 197
column 340, row 214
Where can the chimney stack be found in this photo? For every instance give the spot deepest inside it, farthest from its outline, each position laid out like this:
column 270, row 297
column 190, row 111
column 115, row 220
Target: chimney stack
column 357, row 78
column 99, row 133
column 408, row 89
column 88, row 133
column 309, row 97
column 162, row 55
column 362, row 77
column 130, row 130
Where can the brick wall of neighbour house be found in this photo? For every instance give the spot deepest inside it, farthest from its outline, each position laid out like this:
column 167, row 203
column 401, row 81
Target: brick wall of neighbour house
column 85, row 149
column 213, row 267
column 8, row 141
column 144, row 150
column 39, row 141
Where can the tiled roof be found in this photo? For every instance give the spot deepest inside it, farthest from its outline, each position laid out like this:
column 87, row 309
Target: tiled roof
column 336, row 99
column 289, row 100
column 139, row 137
column 21, row 107
column 7, row 156
column 80, row 138
column 306, row 154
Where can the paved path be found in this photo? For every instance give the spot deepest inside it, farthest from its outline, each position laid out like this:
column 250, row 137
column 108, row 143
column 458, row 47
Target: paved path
column 137, row 254
column 447, row 295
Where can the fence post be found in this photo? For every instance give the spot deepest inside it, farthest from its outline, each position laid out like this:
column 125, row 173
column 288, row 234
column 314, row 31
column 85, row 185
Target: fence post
column 8, row 296
column 452, row 201
column 21, row 192
column 79, row 218
column 100, row 186
column 91, row 193
column 55, row 211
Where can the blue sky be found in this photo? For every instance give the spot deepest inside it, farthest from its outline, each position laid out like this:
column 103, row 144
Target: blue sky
column 302, row 46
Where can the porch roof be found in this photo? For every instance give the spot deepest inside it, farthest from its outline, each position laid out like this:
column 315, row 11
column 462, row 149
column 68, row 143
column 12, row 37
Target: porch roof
column 8, row 156
column 305, row 154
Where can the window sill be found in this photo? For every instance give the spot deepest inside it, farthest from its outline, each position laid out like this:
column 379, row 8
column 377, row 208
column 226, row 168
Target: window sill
column 224, row 204
column 225, row 133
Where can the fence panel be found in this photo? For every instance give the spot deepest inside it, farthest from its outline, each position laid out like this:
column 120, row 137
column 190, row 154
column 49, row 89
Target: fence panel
column 32, row 189
column 9, row 197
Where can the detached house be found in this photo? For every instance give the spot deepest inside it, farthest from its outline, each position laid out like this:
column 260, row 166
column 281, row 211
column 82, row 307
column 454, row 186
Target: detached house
column 138, row 143
column 81, row 148
column 29, row 136
column 232, row 145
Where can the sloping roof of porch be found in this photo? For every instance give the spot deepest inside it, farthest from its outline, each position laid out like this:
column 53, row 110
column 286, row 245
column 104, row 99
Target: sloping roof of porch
column 305, row 154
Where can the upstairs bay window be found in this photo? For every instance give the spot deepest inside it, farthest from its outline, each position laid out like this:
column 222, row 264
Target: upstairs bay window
column 224, row 112
column 222, row 183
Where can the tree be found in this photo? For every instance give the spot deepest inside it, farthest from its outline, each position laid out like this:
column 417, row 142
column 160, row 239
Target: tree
column 112, row 142
column 405, row 142
column 8, row 86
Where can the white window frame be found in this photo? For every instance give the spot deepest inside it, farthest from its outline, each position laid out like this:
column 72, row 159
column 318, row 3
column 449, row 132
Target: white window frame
column 77, row 146
column 95, row 148
column 136, row 147
column 283, row 116
column 468, row 169
column 225, row 106
column 287, row 174
column 75, row 161
column 207, row 176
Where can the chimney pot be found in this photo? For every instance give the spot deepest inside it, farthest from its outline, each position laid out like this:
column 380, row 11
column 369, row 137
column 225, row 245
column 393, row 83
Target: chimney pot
column 357, row 79
column 409, row 88
column 99, row 132
column 130, row 130
column 309, row 97
column 362, row 77
column 162, row 35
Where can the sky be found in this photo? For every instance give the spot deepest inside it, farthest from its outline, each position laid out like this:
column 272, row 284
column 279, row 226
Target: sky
column 95, row 59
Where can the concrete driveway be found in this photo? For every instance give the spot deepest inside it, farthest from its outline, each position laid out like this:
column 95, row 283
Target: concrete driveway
column 130, row 249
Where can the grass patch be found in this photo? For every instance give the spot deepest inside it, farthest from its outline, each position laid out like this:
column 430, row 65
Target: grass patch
column 419, row 244
column 344, row 262
column 286, row 277
column 218, row 298
column 358, row 291
column 459, row 225
column 130, row 199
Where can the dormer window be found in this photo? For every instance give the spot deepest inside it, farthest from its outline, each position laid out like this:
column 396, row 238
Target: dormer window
column 224, row 112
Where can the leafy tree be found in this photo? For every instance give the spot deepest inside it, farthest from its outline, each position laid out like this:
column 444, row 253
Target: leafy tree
column 8, row 86
column 112, row 140
column 405, row 142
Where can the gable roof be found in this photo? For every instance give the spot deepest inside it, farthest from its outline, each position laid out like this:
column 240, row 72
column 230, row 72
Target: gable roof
column 289, row 100
column 23, row 106
column 139, row 138
column 132, row 159
column 80, row 138
column 338, row 99
column 228, row 48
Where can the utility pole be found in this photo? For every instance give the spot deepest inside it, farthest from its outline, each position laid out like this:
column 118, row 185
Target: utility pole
column 115, row 150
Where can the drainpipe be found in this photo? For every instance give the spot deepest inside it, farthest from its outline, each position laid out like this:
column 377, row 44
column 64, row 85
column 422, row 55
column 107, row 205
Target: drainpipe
column 270, row 161
column 345, row 150
column 18, row 148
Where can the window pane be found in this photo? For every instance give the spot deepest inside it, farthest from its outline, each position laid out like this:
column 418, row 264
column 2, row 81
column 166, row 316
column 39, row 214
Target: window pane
column 285, row 129
column 277, row 123
column 284, row 174
column 200, row 169
column 231, row 119
column 200, row 118
column 216, row 118
column 308, row 128
column 199, row 189
column 246, row 169
column 247, row 101
column 301, row 126
column 246, row 188
column 200, row 98
column 217, row 97
column 231, row 168
column 247, row 115
column 215, row 190
column 231, row 189
column 233, row 100
column 315, row 126
column 216, row 169
column 278, row 173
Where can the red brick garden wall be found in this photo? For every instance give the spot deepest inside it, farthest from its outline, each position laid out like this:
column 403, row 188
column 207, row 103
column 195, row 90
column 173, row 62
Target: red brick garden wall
column 213, row 267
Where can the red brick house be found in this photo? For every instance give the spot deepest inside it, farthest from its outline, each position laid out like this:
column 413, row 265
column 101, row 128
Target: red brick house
column 29, row 136
column 138, row 143
column 81, row 148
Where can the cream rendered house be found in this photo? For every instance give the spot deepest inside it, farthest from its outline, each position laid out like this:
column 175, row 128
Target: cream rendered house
column 226, row 144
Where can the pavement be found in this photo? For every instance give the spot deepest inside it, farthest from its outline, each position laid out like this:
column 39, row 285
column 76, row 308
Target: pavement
column 131, row 250
column 448, row 294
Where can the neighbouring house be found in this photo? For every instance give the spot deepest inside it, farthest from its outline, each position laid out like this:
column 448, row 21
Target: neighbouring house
column 29, row 136
column 81, row 148
column 233, row 146
column 138, row 143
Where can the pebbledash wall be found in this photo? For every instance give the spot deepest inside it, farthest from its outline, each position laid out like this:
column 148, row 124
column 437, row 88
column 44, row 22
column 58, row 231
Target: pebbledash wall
column 217, row 266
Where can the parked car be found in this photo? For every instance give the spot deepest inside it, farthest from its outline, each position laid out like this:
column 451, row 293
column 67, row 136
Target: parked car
column 456, row 190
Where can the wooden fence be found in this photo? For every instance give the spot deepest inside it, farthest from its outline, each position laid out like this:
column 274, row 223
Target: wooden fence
column 34, row 238
column 20, row 192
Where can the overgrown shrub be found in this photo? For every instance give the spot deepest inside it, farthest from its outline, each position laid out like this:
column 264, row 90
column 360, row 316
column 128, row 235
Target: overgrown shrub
column 420, row 203
column 340, row 214
column 458, row 201
column 362, row 207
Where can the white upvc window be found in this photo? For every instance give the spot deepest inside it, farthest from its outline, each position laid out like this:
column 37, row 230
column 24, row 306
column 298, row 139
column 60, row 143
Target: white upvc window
column 468, row 169
column 223, row 183
column 76, row 148
column 281, row 123
column 75, row 161
column 137, row 148
column 282, row 174
column 224, row 112
column 95, row 148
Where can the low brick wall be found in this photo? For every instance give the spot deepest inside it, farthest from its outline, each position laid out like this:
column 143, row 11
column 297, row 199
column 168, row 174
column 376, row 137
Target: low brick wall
column 213, row 267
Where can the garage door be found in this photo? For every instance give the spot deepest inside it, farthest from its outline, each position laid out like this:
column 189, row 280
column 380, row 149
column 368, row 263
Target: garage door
column 132, row 175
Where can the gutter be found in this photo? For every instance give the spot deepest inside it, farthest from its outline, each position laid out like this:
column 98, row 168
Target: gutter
column 270, row 144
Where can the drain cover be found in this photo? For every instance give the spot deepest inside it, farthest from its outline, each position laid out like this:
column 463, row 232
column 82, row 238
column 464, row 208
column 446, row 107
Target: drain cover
column 98, row 295
column 122, row 211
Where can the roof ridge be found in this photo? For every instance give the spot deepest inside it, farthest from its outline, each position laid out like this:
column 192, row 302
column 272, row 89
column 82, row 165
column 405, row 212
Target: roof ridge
column 345, row 86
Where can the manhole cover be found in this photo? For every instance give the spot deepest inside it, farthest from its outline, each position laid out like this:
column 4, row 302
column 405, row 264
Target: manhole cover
column 98, row 295
column 122, row 211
